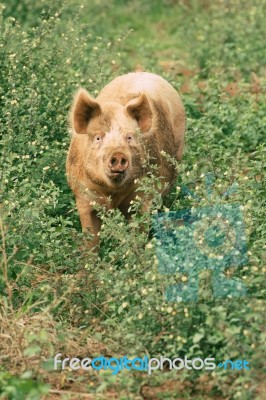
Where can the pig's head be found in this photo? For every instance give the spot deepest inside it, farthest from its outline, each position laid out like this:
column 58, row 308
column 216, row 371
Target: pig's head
column 114, row 152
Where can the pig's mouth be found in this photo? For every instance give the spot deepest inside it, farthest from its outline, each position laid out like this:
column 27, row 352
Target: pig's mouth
column 117, row 176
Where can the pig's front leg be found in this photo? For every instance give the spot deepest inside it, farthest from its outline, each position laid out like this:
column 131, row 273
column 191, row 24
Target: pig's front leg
column 89, row 221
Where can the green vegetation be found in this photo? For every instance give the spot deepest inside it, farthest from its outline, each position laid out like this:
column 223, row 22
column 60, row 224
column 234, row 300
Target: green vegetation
column 57, row 297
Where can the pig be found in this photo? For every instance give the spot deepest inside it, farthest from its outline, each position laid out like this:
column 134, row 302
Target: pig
column 137, row 116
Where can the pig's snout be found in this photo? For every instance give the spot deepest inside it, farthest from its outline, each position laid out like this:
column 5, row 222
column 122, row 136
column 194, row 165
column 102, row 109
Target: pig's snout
column 118, row 162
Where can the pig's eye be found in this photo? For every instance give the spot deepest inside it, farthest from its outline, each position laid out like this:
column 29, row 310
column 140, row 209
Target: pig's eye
column 129, row 138
column 98, row 139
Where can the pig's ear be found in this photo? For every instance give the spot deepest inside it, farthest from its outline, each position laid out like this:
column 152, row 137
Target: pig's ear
column 139, row 108
column 83, row 109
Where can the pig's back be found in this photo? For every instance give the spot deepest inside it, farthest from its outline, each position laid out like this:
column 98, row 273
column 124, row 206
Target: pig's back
column 155, row 87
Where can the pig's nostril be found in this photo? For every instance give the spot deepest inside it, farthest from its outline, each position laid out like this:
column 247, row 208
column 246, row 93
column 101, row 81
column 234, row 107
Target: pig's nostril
column 113, row 161
column 123, row 161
